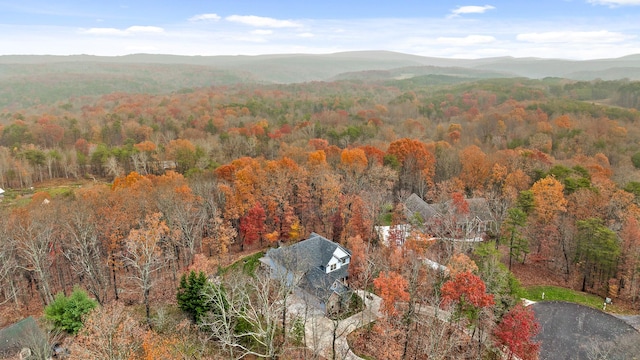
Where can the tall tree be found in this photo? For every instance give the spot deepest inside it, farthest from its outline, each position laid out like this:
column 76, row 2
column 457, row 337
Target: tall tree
column 183, row 212
column 82, row 246
column 417, row 165
column 597, row 253
column 145, row 256
column 512, row 235
column 630, row 257
column 33, row 232
column 549, row 200
column 252, row 225
column 475, row 168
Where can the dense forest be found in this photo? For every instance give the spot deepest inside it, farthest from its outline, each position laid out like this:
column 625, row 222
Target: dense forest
column 120, row 194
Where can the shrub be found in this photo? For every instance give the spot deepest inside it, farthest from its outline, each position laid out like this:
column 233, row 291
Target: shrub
column 635, row 159
column 67, row 313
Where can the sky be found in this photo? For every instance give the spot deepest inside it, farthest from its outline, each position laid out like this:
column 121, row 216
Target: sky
column 567, row 29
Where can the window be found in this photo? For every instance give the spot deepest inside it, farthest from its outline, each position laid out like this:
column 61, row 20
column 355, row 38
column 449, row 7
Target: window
column 333, row 267
column 345, row 260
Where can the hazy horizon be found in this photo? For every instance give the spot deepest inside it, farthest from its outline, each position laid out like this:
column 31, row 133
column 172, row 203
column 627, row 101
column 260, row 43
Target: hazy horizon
column 549, row 29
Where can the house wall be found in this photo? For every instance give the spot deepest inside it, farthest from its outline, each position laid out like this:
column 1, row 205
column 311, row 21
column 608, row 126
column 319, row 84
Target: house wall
column 333, row 261
column 338, row 254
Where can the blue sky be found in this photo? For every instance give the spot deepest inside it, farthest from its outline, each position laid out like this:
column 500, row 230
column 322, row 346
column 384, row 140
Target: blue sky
column 572, row 29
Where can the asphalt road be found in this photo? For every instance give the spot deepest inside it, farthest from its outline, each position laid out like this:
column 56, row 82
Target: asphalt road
column 575, row 332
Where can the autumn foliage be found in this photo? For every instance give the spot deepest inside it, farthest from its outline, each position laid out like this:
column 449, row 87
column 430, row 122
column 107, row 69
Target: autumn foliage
column 467, row 291
column 392, row 288
column 140, row 187
column 516, row 331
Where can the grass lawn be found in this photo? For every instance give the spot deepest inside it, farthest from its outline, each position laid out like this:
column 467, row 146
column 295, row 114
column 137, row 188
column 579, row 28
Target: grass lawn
column 248, row 264
column 552, row 293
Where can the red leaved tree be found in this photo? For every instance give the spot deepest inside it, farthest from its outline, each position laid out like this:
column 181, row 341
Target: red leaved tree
column 516, row 332
column 252, row 225
column 468, row 292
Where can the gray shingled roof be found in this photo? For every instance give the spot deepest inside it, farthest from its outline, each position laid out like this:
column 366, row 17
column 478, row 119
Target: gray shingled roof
column 316, row 251
column 308, row 258
column 414, row 204
column 318, row 283
column 25, row 333
column 478, row 207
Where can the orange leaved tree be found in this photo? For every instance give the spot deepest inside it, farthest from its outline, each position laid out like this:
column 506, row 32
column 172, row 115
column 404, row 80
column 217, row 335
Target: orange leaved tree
column 392, row 288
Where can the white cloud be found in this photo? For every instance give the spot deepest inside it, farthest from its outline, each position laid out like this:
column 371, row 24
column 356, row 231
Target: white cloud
column 615, row 3
column 580, row 39
column 259, row 21
column 144, row 29
column 262, row 32
column 126, row 32
column 205, row 17
column 467, row 40
column 471, row 9
column 602, row 36
column 104, row 31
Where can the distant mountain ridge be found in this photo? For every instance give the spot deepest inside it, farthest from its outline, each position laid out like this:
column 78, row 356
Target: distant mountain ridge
column 292, row 68
column 27, row 80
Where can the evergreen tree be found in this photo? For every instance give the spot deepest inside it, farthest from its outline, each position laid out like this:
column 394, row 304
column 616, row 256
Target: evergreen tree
column 190, row 295
column 518, row 244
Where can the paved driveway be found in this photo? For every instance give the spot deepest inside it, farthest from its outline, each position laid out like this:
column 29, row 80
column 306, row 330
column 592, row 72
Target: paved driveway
column 320, row 330
column 572, row 331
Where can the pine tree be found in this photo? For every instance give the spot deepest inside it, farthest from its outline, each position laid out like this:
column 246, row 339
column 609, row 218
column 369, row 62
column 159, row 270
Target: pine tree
column 190, row 295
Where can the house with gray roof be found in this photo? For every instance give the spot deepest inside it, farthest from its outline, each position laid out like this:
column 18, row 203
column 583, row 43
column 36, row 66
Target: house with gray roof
column 317, row 267
column 416, row 209
column 23, row 334
column 443, row 218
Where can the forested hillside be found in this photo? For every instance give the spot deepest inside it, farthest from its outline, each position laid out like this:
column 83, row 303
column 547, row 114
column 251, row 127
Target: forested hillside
column 160, row 182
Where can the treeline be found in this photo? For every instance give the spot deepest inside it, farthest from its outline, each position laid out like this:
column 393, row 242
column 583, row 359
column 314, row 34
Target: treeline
column 204, row 128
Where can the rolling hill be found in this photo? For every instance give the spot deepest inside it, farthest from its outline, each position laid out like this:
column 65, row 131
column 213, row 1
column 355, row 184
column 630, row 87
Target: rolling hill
column 28, row 80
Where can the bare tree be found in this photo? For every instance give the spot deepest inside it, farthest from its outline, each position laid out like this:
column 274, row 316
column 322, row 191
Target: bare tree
column 185, row 215
column 145, row 256
column 32, row 231
column 8, row 265
column 140, row 162
column 109, row 333
column 83, row 247
column 245, row 318
column 112, row 167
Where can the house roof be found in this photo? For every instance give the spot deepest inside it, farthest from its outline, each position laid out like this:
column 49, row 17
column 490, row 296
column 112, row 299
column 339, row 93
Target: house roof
column 321, row 284
column 478, row 207
column 316, row 251
column 309, row 258
column 24, row 333
column 414, row 204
